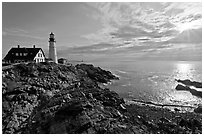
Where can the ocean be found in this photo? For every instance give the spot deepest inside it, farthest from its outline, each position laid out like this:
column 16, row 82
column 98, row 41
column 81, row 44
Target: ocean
column 153, row 81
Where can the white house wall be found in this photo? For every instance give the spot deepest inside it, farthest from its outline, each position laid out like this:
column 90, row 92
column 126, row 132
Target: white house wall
column 39, row 57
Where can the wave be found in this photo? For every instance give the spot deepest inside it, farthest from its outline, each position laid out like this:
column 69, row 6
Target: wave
column 162, row 105
column 119, row 71
column 153, row 77
column 129, row 84
column 116, row 75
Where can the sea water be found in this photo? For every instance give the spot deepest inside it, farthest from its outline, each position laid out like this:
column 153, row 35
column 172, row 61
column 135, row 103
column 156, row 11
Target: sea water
column 154, row 81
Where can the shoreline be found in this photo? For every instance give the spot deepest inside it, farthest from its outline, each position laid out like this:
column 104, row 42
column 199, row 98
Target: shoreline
column 172, row 108
column 191, row 87
column 184, row 108
column 51, row 98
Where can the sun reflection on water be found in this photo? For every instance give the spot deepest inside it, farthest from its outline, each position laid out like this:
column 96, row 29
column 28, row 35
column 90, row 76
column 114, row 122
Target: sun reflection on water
column 183, row 71
column 183, row 68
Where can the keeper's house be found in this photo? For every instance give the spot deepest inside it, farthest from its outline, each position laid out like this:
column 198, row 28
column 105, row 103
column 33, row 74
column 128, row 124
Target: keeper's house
column 16, row 55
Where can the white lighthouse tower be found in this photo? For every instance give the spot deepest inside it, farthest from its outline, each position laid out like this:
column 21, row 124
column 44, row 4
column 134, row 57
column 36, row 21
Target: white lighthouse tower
column 52, row 48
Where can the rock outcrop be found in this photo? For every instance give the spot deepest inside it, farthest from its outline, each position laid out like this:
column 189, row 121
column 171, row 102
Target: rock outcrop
column 188, row 82
column 49, row 98
column 198, row 109
column 192, row 91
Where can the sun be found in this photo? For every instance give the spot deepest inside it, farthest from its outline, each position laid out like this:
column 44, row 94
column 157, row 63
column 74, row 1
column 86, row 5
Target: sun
column 188, row 26
column 183, row 27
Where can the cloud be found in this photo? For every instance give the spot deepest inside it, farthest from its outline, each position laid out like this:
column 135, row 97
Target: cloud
column 188, row 36
column 91, row 48
column 158, row 22
column 191, row 14
column 19, row 33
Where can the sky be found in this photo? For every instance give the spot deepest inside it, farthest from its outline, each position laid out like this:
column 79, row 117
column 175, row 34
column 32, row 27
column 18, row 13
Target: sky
column 158, row 31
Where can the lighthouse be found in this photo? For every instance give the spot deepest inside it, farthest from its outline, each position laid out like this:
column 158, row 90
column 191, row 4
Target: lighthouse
column 52, row 48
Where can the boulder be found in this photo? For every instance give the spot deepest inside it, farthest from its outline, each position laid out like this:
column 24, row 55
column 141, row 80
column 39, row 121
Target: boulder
column 196, row 93
column 190, row 83
column 181, row 87
column 192, row 91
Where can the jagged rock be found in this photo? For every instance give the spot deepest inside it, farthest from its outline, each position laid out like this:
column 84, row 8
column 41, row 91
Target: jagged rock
column 50, row 98
column 62, row 77
column 198, row 109
column 137, row 130
column 72, row 109
column 96, row 73
column 153, row 126
column 164, row 120
column 122, row 108
column 196, row 93
column 68, row 96
column 190, row 123
column 84, row 123
column 192, row 91
column 176, row 109
column 181, row 87
column 190, row 83
column 88, row 105
column 90, row 96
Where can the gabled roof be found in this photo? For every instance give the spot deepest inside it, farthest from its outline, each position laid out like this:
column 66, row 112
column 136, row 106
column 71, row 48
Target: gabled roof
column 31, row 53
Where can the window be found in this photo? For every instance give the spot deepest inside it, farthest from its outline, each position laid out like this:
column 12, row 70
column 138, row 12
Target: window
column 25, row 54
column 20, row 54
column 16, row 54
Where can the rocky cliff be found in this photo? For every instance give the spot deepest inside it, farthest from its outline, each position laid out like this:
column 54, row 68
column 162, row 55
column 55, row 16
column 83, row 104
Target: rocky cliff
column 53, row 98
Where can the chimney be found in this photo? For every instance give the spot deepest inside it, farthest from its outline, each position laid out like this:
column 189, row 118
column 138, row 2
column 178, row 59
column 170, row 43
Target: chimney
column 33, row 46
column 18, row 46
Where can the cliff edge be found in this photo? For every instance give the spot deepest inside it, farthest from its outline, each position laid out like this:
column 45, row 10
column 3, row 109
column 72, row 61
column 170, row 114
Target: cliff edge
column 53, row 98
column 48, row 98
